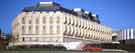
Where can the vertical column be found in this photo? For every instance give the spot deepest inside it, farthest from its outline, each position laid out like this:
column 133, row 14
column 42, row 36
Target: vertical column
column 125, row 34
column 128, row 33
column 122, row 34
column 132, row 34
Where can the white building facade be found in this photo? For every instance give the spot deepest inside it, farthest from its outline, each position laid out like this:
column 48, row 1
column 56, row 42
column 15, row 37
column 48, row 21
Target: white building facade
column 127, row 34
column 48, row 23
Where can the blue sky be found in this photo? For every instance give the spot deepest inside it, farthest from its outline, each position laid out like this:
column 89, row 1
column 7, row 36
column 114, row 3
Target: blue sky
column 114, row 13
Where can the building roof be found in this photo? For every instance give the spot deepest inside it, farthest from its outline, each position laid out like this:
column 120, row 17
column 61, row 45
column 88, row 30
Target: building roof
column 52, row 6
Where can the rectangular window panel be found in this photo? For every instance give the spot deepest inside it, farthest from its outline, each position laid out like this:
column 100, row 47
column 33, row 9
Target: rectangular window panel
column 44, row 20
column 23, row 20
column 30, row 21
column 58, row 29
column 23, row 29
column 51, row 20
column 44, row 30
column 37, row 21
column 58, row 19
column 51, row 29
column 30, row 29
column 37, row 30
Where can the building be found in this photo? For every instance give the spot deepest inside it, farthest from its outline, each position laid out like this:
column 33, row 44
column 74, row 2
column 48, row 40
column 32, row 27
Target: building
column 127, row 36
column 127, row 39
column 50, row 23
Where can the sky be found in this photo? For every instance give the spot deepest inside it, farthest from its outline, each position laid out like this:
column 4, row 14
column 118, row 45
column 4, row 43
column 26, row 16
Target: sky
column 117, row 14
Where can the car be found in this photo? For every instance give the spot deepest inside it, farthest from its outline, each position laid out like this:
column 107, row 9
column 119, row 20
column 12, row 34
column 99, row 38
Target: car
column 90, row 47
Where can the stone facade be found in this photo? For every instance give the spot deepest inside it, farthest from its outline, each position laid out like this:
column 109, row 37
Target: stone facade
column 49, row 22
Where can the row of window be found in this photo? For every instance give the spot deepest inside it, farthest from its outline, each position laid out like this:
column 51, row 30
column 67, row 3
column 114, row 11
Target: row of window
column 86, row 24
column 88, row 34
column 36, row 18
column 71, row 20
column 45, row 20
column 51, row 29
column 40, row 39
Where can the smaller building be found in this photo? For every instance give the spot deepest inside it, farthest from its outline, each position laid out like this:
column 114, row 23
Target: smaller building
column 127, row 36
column 127, row 39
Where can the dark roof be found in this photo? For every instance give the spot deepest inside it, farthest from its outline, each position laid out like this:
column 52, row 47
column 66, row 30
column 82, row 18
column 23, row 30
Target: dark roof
column 57, row 7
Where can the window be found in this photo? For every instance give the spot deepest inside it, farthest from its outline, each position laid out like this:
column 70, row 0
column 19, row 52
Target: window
column 23, row 29
column 44, row 20
column 37, row 21
column 58, row 29
column 90, row 34
column 34, row 39
column 27, row 39
column 51, row 29
column 82, row 32
column 79, row 32
column 75, row 31
column 65, row 20
column 72, row 22
column 65, row 32
column 58, row 19
column 44, row 30
column 78, row 22
column 23, row 39
column 37, row 30
column 51, row 19
column 69, row 21
column 70, row 30
column 23, row 20
column 30, row 29
column 30, row 21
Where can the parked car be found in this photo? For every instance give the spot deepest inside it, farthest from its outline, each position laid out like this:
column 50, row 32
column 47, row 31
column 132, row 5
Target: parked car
column 91, row 47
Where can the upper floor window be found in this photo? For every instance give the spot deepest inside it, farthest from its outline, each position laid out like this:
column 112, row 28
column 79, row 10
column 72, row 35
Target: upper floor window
column 30, row 29
column 23, row 29
column 44, row 20
column 58, row 19
column 23, row 39
column 23, row 20
column 37, row 21
column 30, row 21
column 44, row 30
column 51, row 29
column 58, row 29
column 51, row 20
column 69, row 20
column 37, row 29
column 65, row 20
